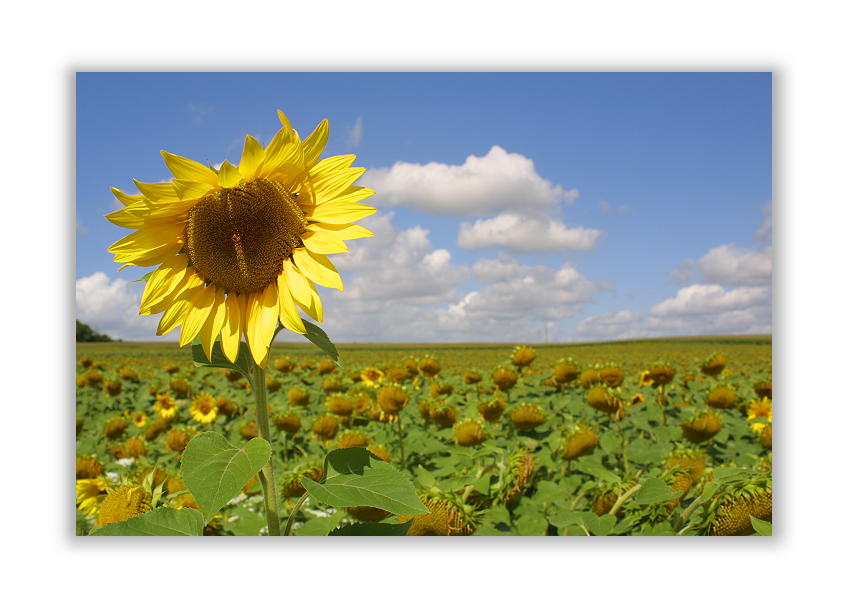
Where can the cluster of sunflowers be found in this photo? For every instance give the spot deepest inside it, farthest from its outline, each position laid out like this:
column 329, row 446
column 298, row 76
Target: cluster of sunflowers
column 517, row 448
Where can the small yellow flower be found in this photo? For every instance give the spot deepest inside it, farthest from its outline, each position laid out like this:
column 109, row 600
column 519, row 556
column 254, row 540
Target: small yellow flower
column 759, row 408
column 371, row 376
column 139, row 419
column 203, row 409
column 166, row 407
column 636, row 399
column 645, row 378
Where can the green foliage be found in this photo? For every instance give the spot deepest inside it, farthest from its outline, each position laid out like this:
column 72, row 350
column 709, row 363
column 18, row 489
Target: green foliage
column 158, row 522
column 87, row 334
column 215, row 471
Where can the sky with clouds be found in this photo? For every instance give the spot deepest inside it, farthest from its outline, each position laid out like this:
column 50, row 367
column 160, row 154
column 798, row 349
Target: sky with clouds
column 520, row 207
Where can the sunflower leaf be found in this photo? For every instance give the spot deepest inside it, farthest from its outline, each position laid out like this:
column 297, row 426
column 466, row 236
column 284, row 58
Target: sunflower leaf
column 319, row 338
column 763, row 528
column 372, row 529
column 354, row 477
column 215, row 471
column 654, row 490
column 163, row 521
column 243, row 362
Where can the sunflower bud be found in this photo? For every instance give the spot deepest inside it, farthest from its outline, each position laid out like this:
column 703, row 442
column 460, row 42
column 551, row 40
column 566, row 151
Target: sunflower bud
column 504, row 378
column 297, row 396
column 522, row 356
column 326, row 427
column 527, row 416
column 469, row 432
column 392, row 399
column 492, row 409
column 714, row 365
column 701, row 428
column 579, row 440
column 721, row 397
column 429, row 366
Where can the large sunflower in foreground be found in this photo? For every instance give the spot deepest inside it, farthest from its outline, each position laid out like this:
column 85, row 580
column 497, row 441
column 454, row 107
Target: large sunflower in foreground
column 240, row 247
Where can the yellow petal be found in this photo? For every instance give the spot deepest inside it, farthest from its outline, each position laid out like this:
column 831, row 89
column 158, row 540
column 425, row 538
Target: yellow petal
column 303, row 291
column 201, row 305
column 314, row 145
column 157, row 192
column 318, row 268
column 127, row 199
column 332, row 163
column 284, row 119
column 188, row 281
column 189, row 190
column 354, row 194
column 262, row 321
column 148, row 257
column 163, row 280
column 251, row 157
column 213, row 324
column 231, row 330
column 348, row 232
column 191, row 170
column 326, row 187
column 228, row 176
column 345, row 213
column 289, row 316
column 323, row 242
column 176, row 312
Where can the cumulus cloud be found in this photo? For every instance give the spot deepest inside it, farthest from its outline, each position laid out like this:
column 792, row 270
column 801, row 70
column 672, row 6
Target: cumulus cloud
column 617, row 324
column 728, row 265
column 495, row 182
column 706, row 299
column 111, row 307
column 525, row 235
column 355, row 133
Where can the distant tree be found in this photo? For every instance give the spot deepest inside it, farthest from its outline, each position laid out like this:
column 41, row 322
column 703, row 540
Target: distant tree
column 86, row 334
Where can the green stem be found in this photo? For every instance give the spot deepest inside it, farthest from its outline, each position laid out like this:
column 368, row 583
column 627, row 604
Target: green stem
column 624, row 497
column 400, row 441
column 266, row 474
column 293, row 514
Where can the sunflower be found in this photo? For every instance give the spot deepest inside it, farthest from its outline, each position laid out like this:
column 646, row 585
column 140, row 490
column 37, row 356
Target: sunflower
column 759, row 408
column 203, row 409
column 371, row 376
column 240, row 247
column 139, row 419
column 90, row 493
column 166, row 407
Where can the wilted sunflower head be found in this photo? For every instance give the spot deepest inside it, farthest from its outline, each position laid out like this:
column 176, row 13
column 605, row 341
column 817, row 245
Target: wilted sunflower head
column 134, row 448
column 603, row 399
column 721, row 397
column 469, row 432
column 272, row 385
column 504, row 378
column 492, row 409
column 86, row 362
column 88, row 467
column 438, row 389
column 763, row 388
column 289, row 423
column 731, row 510
column 411, row 365
column 326, row 367
column 291, row 486
column 702, row 427
column 714, row 364
column 429, row 366
column 155, row 429
column 381, row 452
column 398, row 375
column 240, row 247
column 226, row 407
column 517, row 477
column 566, row 371
column 447, row 517
column 471, row 377
column 115, row 428
column 283, row 364
column 765, row 437
column 176, row 440
column 589, row 377
column 522, row 356
column 180, row 388
column 442, row 414
column 612, row 375
column 332, row 384
column 128, row 374
column 352, row 439
column 340, row 405
column 661, row 374
column 204, row 409
column 122, row 503
column 527, row 416
column 392, row 399
column 326, row 427
column 691, row 461
column 249, row 430
column 297, row 396
column 578, row 440
column 112, row 388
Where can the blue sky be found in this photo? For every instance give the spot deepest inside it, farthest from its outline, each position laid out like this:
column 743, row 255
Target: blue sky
column 652, row 189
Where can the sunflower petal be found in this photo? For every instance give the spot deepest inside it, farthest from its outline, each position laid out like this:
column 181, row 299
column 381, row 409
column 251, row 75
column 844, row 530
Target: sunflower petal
column 201, row 306
column 190, row 190
column 354, row 194
column 176, row 312
column 289, row 316
column 303, row 292
column 163, row 279
column 331, row 184
column 332, row 163
column 332, row 213
column 315, row 143
column 214, row 322
column 348, row 232
column 284, row 120
column 127, row 199
column 318, row 268
column 190, row 170
column 323, row 242
column 231, row 330
column 262, row 321
column 163, row 192
column 228, row 176
column 251, row 157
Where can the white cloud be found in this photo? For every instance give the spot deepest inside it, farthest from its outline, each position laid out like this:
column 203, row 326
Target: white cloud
column 355, row 133
column 498, row 181
column 728, row 265
column 111, row 307
column 525, row 235
column 618, row 324
column 707, row 299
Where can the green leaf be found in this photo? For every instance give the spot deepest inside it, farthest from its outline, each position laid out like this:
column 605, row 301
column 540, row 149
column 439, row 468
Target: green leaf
column 599, row 526
column 215, row 471
column 354, row 477
column 372, row 529
column 244, row 362
column 249, row 523
column 158, row 522
column 763, row 528
column 319, row 338
column 424, row 477
column 654, row 490
column 144, row 278
column 320, row 526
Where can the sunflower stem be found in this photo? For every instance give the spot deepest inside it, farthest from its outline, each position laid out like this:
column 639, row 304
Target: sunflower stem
column 266, row 474
column 400, row 441
column 293, row 514
column 624, row 497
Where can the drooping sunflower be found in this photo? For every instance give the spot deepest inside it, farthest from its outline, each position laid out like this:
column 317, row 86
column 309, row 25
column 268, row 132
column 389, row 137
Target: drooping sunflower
column 240, row 247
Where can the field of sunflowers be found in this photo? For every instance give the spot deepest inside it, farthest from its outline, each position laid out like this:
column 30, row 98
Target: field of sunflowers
column 649, row 437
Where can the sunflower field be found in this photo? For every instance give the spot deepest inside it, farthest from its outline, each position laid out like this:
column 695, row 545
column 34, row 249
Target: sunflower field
column 649, row 437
